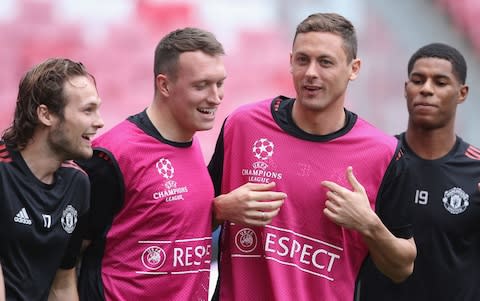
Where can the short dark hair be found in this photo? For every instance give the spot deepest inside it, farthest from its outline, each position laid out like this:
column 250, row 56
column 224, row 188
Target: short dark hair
column 42, row 84
column 442, row 51
column 178, row 41
column 332, row 23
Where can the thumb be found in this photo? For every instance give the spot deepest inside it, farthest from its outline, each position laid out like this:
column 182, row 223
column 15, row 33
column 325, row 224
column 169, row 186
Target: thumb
column 353, row 180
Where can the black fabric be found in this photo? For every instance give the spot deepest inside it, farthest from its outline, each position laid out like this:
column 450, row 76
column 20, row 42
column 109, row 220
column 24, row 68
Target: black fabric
column 106, row 200
column 445, row 203
column 281, row 109
column 40, row 224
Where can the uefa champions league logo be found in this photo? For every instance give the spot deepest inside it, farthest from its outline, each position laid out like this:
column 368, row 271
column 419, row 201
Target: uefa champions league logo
column 263, row 168
column 166, row 170
column 263, row 149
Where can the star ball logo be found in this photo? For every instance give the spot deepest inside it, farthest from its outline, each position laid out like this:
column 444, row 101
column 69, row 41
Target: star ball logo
column 165, row 168
column 263, row 149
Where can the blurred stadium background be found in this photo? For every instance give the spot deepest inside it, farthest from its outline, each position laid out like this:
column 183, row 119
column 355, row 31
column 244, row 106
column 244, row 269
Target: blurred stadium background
column 115, row 39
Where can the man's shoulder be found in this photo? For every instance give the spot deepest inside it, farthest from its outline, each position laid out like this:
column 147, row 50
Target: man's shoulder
column 468, row 150
column 117, row 135
column 5, row 153
column 253, row 106
column 252, row 110
column 71, row 170
column 369, row 130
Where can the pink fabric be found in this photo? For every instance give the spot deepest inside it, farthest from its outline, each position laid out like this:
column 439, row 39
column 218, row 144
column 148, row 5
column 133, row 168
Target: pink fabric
column 159, row 245
column 301, row 255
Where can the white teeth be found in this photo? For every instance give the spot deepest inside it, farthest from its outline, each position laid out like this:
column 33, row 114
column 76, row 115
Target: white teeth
column 206, row 111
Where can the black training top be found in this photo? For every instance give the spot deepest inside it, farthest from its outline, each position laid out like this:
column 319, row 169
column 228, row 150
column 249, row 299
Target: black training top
column 39, row 224
column 446, row 224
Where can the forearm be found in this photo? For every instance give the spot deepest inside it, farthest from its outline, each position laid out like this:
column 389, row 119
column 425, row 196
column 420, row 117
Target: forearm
column 2, row 286
column 64, row 286
column 393, row 256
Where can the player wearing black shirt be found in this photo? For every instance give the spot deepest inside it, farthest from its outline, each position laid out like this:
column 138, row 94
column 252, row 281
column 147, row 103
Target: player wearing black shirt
column 43, row 195
column 444, row 172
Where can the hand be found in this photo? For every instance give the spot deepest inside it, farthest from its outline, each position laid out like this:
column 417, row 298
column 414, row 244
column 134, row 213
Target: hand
column 252, row 204
column 346, row 208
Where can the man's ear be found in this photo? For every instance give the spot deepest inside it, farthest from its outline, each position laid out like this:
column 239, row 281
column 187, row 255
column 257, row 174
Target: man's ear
column 44, row 116
column 462, row 94
column 356, row 63
column 161, row 82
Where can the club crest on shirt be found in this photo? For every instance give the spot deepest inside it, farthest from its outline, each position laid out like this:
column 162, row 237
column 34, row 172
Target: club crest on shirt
column 69, row 219
column 246, row 240
column 455, row 200
column 263, row 150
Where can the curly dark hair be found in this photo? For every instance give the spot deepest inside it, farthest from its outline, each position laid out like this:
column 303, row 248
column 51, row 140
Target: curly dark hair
column 43, row 84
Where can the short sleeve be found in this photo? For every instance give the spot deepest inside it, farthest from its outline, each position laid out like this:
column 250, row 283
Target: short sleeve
column 215, row 166
column 106, row 192
column 393, row 208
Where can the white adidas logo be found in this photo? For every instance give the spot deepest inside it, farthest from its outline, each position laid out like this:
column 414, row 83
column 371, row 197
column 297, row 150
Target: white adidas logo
column 22, row 217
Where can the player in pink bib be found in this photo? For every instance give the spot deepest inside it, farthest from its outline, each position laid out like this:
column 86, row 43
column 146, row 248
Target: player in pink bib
column 329, row 223
column 150, row 225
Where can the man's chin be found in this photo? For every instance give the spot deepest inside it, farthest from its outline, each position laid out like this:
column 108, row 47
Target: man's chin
column 85, row 155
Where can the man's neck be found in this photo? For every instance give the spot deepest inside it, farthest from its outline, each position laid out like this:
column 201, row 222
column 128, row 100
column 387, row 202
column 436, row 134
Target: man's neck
column 324, row 122
column 430, row 144
column 41, row 162
column 166, row 124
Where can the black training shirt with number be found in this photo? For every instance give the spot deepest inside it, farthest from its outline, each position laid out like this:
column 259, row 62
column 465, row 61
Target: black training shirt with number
column 39, row 224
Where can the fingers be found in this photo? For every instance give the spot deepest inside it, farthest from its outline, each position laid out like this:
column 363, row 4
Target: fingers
column 353, row 180
column 259, row 192
column 332, row 186
column 268, row 205
column 259, row 186
column 337, row 189
column 263, row 218
column 252, row 203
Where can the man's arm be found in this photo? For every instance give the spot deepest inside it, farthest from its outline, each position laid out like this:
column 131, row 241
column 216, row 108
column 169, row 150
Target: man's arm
column 392, row 255
column 2, row 285
column 64, row 286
